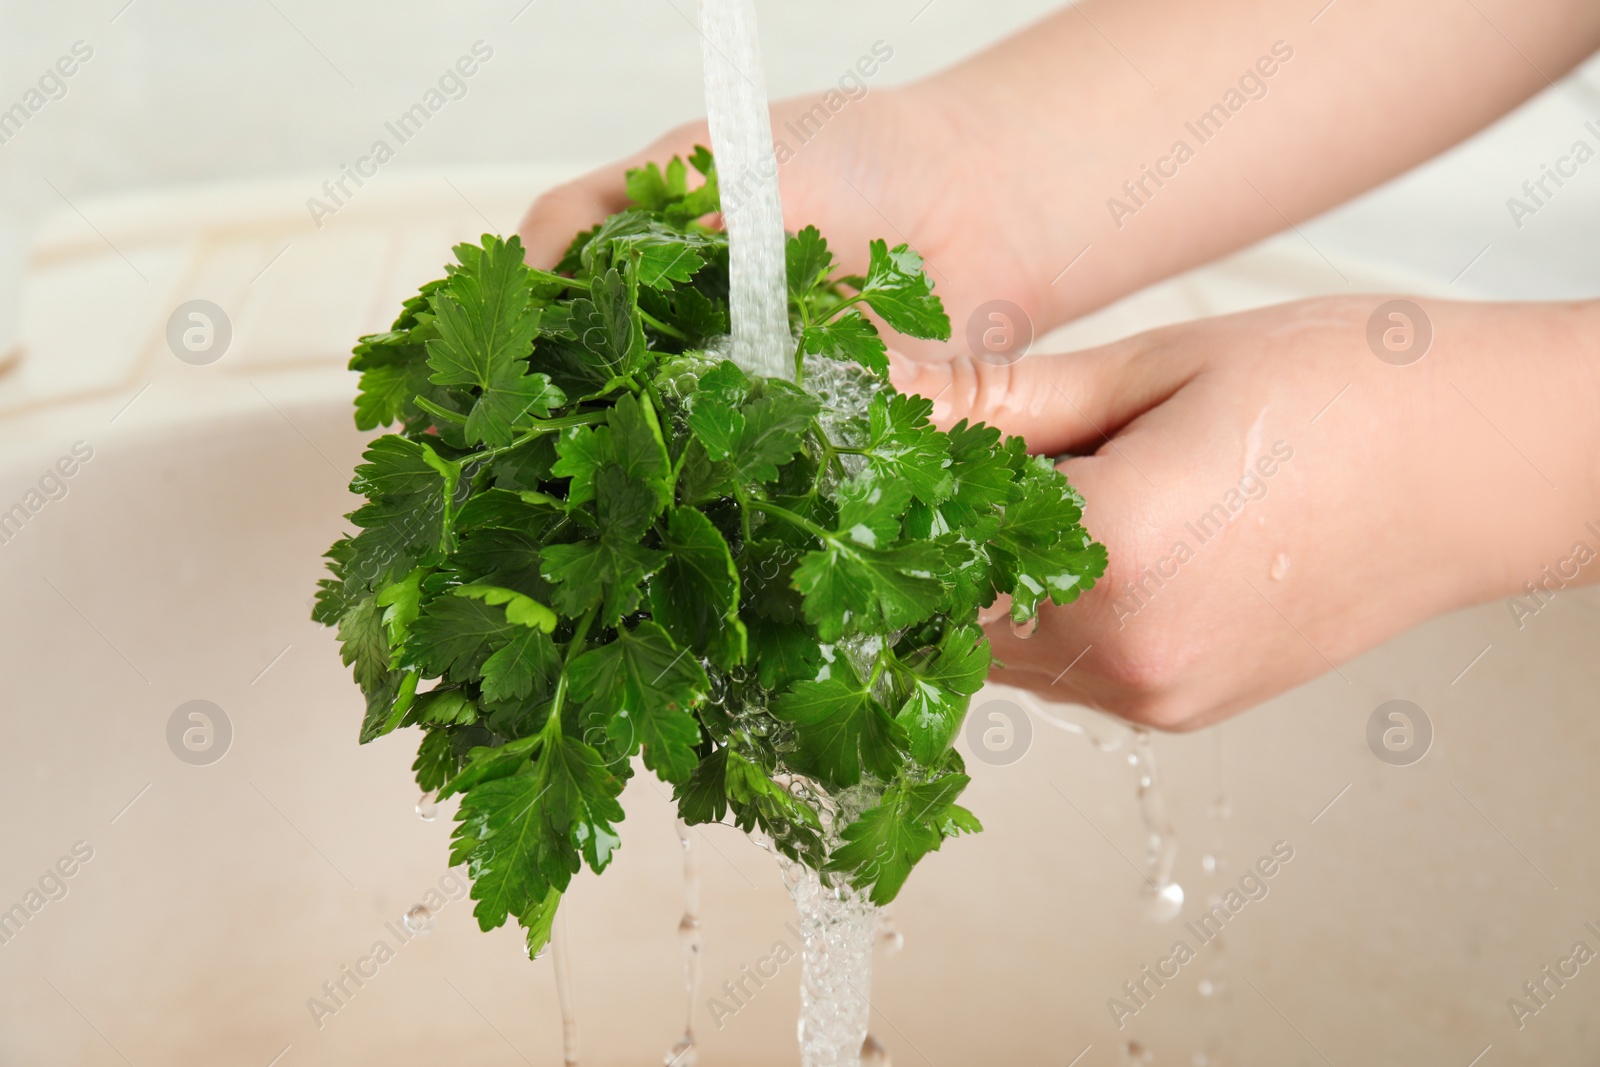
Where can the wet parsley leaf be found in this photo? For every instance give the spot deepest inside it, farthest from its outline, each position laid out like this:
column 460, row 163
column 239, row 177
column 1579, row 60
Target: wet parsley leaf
column 590, row 539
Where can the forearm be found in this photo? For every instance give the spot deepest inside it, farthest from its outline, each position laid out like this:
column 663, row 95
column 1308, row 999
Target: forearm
column 1112, row 120
column 1511, row 434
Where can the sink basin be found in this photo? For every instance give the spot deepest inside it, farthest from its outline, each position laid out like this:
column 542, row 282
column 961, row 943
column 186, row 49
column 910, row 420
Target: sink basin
column 225, row 884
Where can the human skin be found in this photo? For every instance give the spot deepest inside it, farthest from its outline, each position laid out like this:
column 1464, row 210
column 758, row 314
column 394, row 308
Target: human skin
column 1380, row 495
column 999, row 171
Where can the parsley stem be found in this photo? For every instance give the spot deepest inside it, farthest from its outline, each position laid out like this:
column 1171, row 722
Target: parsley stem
column 830, row 451
column 833, row 312
column 800, row 345
column 661, row 327
column 744, row 510
column 439, row 412
column 586, row 418
column 580, row 640
column 786, row 515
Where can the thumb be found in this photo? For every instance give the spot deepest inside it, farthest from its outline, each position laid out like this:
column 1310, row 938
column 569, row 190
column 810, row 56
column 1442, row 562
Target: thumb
column 1071, row 402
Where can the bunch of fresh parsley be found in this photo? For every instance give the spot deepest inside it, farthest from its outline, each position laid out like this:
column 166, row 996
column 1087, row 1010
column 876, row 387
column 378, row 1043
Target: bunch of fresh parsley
column 593, row 539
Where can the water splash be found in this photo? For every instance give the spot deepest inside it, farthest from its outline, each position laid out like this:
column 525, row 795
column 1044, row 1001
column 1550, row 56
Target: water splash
column 747, row 170
column 561, row 956
column 1280, row 567
column 684, row 1054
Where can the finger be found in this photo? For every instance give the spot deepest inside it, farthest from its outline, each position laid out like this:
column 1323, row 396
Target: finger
column 549, row 225
column 1073, row 402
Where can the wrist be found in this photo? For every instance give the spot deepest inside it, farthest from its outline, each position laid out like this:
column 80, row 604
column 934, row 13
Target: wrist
column 1522, row 383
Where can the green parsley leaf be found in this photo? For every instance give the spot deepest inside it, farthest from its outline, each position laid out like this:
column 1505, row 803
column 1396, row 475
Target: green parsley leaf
column 606, row 572
column 696, row 594
column 859, row 581
column 840, row 728
column 808, row 261
column 889, row 839
column 1040, row 547
column 897, row 289
column 642, row 686
column 938, row 687
column 486, row 325
column 522, row 835
column 850, row 336
column 904, row 446
column 452, row 636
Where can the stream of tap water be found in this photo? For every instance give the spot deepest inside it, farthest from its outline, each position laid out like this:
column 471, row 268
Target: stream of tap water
column 747, row 170
column 838, row 925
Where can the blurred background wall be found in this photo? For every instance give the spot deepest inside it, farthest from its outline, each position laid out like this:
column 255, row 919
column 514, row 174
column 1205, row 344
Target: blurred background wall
column 186, row 91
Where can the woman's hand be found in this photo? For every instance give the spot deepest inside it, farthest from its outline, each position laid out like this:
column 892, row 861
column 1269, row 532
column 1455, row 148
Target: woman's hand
column 1024, row 173
column 1276, row 498
column 896, row 164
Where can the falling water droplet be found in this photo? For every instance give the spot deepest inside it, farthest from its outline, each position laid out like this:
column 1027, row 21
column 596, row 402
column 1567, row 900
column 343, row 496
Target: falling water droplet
column 1206, row 987
column 1209, row 863
column 890, row 938
column 419, row 920
column 1024, row 629
column 874, row 1054
column 427, row 807
column 1165, row 902
column 1280, row 568
column 683, row 1053
column 562, row 952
